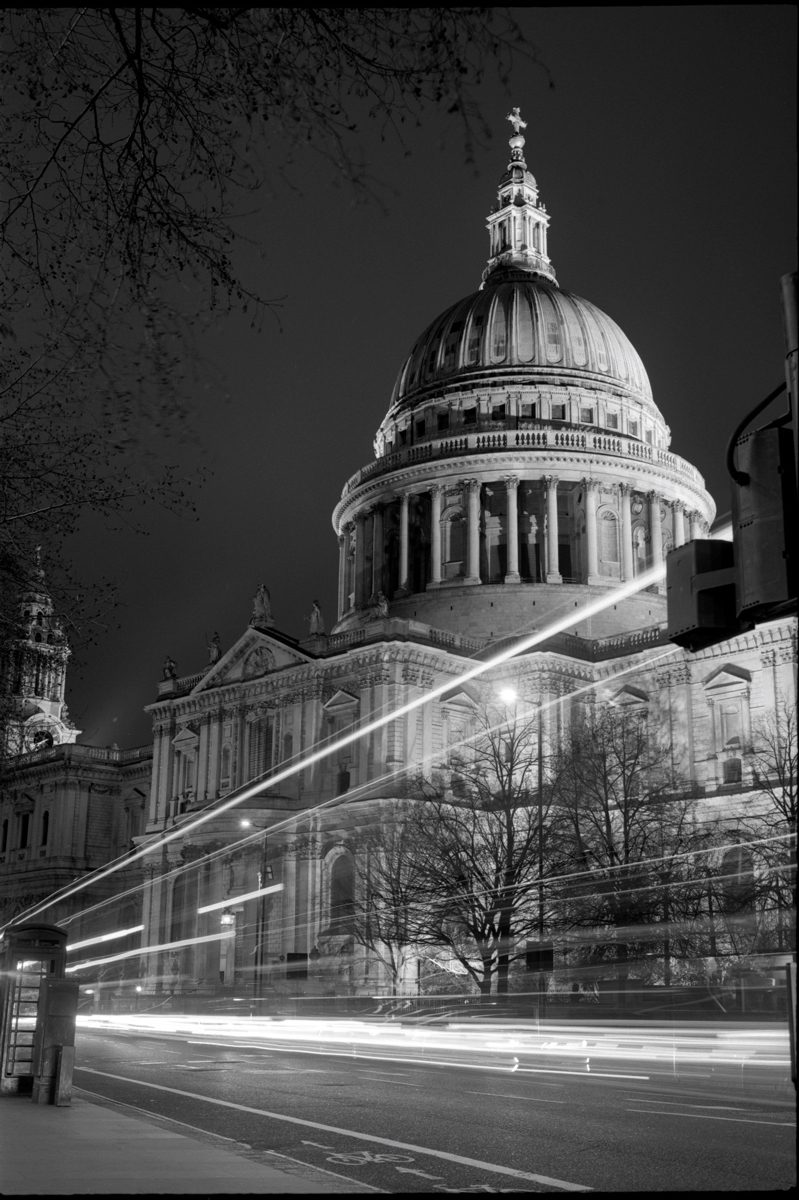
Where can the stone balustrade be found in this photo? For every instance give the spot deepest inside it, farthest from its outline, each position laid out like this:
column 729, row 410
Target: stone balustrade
column 486, row 440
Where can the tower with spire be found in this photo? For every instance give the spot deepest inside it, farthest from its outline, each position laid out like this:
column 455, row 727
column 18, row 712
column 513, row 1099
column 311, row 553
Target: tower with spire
column 34, row 666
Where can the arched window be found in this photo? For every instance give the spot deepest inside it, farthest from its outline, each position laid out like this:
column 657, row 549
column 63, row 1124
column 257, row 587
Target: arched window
column 24, row 829
column 4, row 837
column 45, row 827
column 342, row 895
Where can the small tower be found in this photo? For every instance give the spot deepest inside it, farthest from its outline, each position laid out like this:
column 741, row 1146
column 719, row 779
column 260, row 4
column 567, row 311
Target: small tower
column 33, row 673
column 518, row 222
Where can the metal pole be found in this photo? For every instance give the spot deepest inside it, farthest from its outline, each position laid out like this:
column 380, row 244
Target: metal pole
column 540, row 854
column 540, row 826
column 259, row 955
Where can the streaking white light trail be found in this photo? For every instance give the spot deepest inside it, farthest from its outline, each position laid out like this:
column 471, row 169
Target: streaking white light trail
column 231, row 900
column 646, row 579
column 104, row 937
column 142, row 950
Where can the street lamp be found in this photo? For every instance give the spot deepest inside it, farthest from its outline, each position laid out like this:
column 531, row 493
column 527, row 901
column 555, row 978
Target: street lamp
column 264, row 874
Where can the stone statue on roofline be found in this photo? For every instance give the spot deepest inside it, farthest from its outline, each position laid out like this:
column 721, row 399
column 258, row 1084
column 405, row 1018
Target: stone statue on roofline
column 261, row 607
column 316, row 623
column 214, row 650
column 170, row 668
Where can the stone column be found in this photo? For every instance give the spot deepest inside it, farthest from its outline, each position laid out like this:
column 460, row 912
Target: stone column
column 377, row 550
column 473, row 532
column 591, row 531
column 359, row 583
column 655, row 534
column 435, row 535
column 342, row 571
column 553, row 573
column 679, row 523
column 696, row 525
column 512, row 533
column 627, row 570
column 403, row 561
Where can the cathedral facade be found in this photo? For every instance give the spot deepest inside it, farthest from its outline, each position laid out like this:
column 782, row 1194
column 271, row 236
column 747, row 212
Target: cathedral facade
column 522, row 472
column 522, row 483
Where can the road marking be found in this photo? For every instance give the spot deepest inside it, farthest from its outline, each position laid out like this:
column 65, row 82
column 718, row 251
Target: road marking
column 512, row 1096
column 493, row 1168
column 663, row 1112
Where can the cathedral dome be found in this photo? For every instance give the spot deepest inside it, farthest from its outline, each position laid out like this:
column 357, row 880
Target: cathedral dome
column 519, row 327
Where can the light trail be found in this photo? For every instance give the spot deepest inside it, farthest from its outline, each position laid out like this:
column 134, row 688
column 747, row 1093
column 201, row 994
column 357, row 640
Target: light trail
column 142, row 950
column 646, row 579
column 104, row 937
column 231, row 900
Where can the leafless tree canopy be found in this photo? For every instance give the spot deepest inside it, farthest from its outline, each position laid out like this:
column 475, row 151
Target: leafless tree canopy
column 134, row 138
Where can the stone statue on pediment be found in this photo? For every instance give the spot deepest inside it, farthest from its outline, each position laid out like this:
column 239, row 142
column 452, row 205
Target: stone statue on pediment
column 214, row 650
column 170, row 668
column 261, row 607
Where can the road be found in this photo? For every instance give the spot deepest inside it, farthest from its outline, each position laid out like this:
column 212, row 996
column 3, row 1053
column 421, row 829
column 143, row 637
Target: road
column 478, row 1113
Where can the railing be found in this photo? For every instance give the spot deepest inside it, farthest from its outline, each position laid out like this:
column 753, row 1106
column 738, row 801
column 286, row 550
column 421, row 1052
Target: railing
column 485, row 440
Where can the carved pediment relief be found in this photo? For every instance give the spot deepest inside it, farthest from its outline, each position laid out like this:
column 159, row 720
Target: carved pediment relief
column 254, row 655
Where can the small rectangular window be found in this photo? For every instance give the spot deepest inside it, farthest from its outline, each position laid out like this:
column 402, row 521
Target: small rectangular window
column 442, row 420
column 558, row 412
column 403, row 437
column 470, row 416
column 649, row 436
column 633, row 428
column 498, row 412
column 587, row 416
column 527, row 411
column 612, row 420
column 420, row 428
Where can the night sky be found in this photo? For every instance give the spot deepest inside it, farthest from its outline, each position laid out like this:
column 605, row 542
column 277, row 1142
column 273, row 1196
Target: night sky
column 665, row 155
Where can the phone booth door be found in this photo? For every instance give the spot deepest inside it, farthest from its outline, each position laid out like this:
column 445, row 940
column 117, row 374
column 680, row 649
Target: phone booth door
column 33, row 955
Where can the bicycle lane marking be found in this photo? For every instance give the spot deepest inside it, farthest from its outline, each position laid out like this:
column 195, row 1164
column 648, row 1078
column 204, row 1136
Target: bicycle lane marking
column 461, row 1160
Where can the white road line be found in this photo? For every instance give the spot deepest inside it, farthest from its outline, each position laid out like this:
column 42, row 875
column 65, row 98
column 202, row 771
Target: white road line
column 663, row 1112
column 494, row 1168
column 511, row 1096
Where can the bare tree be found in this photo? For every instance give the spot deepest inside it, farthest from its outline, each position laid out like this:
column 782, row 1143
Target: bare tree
column 631, row 838
column 134, row 139
column 487, row 836
column 773, row 830
column 390, row 909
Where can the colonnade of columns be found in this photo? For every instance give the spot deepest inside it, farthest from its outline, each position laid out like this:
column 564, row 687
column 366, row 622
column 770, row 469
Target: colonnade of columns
column 362, row 544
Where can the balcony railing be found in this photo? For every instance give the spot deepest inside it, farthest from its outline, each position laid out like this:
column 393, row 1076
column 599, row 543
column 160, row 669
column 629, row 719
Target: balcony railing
column 485, row 439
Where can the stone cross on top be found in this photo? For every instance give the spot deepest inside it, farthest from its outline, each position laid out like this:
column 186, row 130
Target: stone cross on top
column 516, row 121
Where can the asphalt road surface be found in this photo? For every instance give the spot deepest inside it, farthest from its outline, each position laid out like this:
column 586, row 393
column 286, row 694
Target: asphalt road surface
column 575, row 1118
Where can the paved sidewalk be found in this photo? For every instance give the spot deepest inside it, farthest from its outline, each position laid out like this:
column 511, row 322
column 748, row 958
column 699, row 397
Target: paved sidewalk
column 89, row 1148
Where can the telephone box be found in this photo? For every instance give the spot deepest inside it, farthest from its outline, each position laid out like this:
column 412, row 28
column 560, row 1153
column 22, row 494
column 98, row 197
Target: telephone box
column 37, row 1013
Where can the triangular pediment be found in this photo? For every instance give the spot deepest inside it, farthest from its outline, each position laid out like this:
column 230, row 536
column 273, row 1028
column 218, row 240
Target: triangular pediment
column 185, row 739
column 629, row 695
column 727, row 678
column 340, row 701
column 458, row 698
column 254, row 655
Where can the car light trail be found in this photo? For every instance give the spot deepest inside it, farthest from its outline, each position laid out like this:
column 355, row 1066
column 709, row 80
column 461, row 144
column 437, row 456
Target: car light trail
column 231, row 900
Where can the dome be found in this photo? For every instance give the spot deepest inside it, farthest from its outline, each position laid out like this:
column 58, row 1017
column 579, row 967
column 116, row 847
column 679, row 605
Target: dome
column 520, row 328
